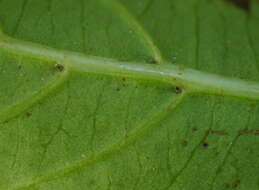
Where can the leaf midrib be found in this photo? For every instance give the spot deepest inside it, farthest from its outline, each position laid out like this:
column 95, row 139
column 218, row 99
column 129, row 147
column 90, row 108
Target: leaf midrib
column 189, row 79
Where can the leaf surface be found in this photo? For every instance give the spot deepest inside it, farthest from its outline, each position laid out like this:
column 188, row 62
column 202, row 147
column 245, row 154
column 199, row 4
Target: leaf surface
column 107, row 94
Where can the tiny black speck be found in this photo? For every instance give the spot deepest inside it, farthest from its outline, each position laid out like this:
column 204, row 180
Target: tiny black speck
column 60, row 67
column 205, row 145
column 178, row 90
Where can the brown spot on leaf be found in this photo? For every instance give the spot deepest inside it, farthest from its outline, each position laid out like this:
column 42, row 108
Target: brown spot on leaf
column 178, row 90
column 233, row 184
column 59, row 67
column 236, row 183
column 194, row 129
column 205, row 145
column 243, row 4
column 28, row 114
column 124, row 81
column 254, row 132
column 153, row 61
column 184, row 143
column 218, row 133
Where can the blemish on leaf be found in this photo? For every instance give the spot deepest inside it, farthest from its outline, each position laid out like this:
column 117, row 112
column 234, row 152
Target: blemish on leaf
column 28, row 114
column 254, row 132
column 59, row 67
column 218, row 132
column 243, row 4
column 194, row 129
column 92, row 182
column 184, row 143
column 227, row 185
column 178, row 90
column 236, row 183
column 6, row 121
column 123, row 81
column 205, row 145
column 153, row 61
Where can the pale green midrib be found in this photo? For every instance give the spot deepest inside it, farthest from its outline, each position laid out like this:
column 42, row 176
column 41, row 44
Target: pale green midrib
column 189, row 79
column 145, row 126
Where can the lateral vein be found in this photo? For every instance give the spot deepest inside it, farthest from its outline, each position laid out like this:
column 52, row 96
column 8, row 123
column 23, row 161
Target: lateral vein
column 146, row 126
column 132, row 21
column 16, row 109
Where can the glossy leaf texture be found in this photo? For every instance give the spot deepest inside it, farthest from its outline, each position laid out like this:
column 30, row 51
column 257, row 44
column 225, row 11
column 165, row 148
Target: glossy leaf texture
column 129, row 95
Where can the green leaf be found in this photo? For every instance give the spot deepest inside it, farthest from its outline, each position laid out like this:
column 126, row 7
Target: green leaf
column 129, row 94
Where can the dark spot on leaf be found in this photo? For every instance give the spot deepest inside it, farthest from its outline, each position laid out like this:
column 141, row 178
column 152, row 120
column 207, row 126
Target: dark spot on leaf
column 59, row 67
column 205, row 145
column 178, row 90
column 28, row 114
column 243, row 4
column 92, row 182
column 236, row 183
column 249, row 132
column 118, row 89
column 218, row 132
column 152, row 61
column 6, row 121
column 194, row 129
column 227, row 185
column 19, row 67
column 123, row 81
column 184, row 143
